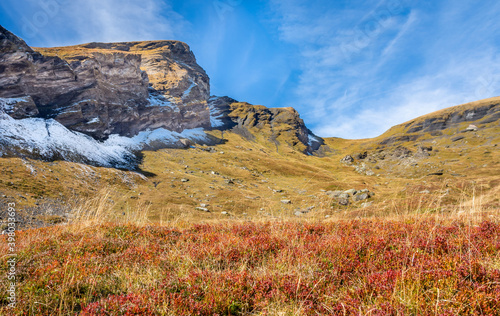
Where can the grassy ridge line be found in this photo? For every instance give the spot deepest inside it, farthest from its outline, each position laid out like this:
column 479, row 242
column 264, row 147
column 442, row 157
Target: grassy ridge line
column 257, row 170
column 347, row 267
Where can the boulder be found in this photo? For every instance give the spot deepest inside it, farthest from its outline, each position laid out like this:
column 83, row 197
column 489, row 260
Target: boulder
column 351, row 192
column 361, row 197
column 471, row 128
column 347, row 160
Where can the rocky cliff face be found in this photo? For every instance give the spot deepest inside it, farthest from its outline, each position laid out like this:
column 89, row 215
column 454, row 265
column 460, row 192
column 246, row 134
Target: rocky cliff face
column 119, row 98
column 104, row 89
column 281, row 126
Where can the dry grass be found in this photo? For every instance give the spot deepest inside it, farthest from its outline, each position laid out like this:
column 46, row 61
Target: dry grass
column 416, row 262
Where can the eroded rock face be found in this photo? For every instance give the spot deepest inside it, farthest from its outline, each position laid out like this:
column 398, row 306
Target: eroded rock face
column 102, row 89
column 280, row 125
column 127, row 97
column 490, row 113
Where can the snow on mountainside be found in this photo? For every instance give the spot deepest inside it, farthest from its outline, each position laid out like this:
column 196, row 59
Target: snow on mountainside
column 103, row 103
column 48, row 139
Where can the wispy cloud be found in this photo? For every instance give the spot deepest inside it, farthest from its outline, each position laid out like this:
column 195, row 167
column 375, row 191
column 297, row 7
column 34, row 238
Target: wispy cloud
column 118, row 20
column 59, row 22
column 366, row 67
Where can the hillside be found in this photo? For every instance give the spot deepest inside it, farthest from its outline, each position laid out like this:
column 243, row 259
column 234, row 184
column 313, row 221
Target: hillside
column 243, row 161
column 136, row 192
column 249, row 176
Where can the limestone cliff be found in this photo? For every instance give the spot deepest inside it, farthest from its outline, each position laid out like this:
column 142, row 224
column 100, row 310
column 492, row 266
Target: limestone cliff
column 103, row 89
column 99, row 102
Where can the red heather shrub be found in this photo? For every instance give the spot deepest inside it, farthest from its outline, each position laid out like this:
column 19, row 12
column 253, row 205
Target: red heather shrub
column 130, row 304
column 351, row 268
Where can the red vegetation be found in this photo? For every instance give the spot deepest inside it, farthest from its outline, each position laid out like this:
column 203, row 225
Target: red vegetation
column 345, row 268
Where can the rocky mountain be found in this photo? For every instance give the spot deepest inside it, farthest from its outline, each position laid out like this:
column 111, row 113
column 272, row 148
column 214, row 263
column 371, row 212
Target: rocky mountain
column 147, row 106
column 140, row 95
column 276, row 125
column 433, row 144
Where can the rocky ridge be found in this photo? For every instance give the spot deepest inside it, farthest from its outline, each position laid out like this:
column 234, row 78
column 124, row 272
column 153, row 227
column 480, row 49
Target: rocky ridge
column 278, row 125
column 418, row 148
column 141, row 95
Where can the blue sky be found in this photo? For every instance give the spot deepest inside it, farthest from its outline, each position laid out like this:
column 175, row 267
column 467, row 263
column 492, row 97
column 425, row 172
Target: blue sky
column 351, row 68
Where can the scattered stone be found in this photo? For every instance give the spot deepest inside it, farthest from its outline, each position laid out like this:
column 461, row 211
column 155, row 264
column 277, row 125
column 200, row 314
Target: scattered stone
column 471, row 128
column 203, row 209
column 363, row 169
column 366, row 204
column 184, row 180
column 347, row 159
column 286, row 201
column 209, row 149
column 457, row 138
column 425, row 192
column 229, row 181
column 343, row 201
column 204, row 205
column 224, row 213
column 298, row 213
column 278, row 191
column 252, row 197
column 439, row 173
column 360, row 156
column 351, row 192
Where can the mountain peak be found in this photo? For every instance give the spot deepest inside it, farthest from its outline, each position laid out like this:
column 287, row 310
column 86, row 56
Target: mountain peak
column 126, row 89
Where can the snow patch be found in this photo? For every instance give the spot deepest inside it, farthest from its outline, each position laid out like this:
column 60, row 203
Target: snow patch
column 313, row 139
column 67, row 109
column 215, row 115
column 188, row 91
column 48, row 139
column 160, row 134
column 159, row 100
column 94, row 120
column 7, row 104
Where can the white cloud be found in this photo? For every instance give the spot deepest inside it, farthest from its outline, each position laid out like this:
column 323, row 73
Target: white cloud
column 65, row 22
column 118, row 20
column 363, row 70
column 417, row 97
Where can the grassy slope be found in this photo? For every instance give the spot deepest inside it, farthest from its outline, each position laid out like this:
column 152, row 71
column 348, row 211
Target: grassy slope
column 259, row 170
column 408, row 253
